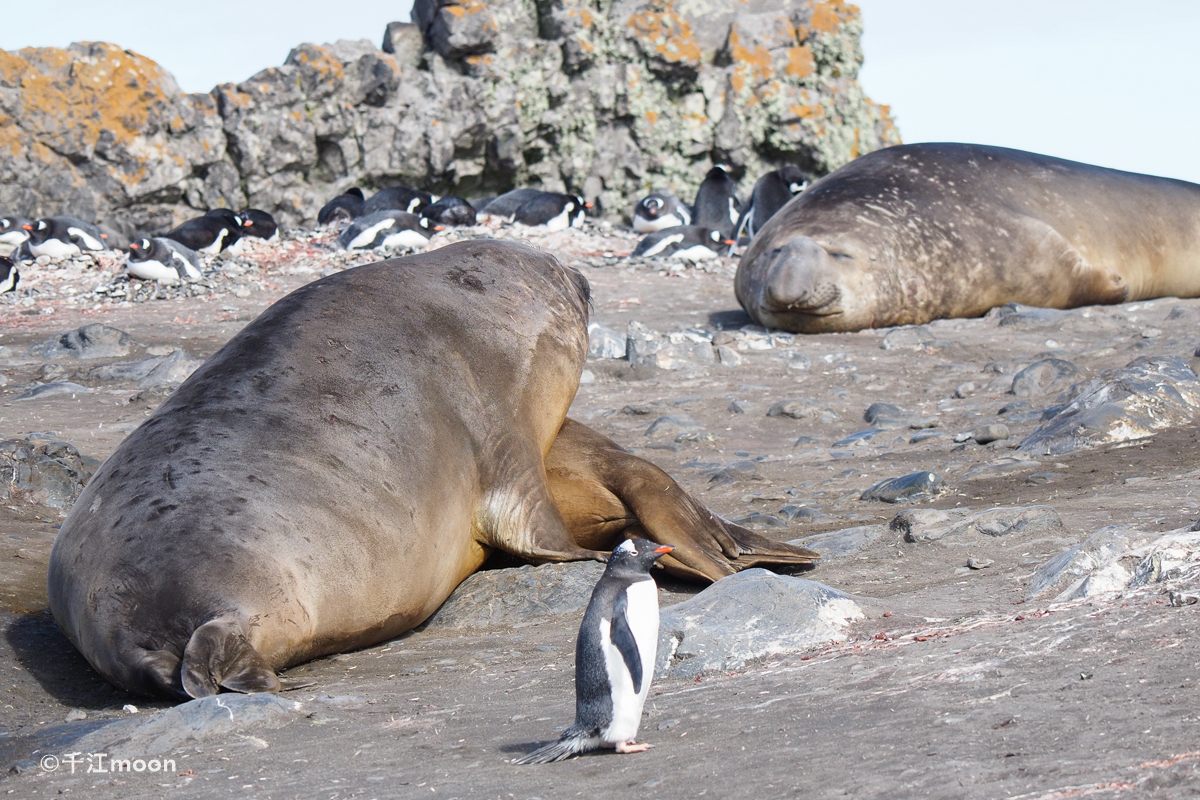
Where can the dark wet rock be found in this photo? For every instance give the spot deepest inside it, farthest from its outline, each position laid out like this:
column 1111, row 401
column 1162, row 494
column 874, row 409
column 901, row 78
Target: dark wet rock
column 1044, row 377
column 673, row 425
column 642, row 409
column 921, row 436
column 1146, row 396
column 42, row 470
column 858, row 439
column 890, row 417
column 605, row 343
column 519, row 596
column 147, row 737
column 1116, row 559
column 990, row 433
column 961, row 525
column 752, row 614
column 843, row 543
column 91, row 341
column 796, row 409
column 906, row 489
column 53, row 389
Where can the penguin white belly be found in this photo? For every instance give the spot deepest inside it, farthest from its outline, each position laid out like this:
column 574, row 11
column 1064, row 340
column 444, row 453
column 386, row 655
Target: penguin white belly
column 559, row 223
column 643, row 225
column 662, row 245
column 409, row 240
column 642, row 616
column 153, row 271
column 236, row 248
column 14, row 238
column 9, row 283
column 55, row 248
column 366, row 238
column 733, row 214
column 90, row 242
column 697, row 252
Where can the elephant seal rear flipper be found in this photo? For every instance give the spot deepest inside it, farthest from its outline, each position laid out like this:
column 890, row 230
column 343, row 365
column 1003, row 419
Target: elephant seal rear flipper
column 606, row 493
column 219, row 656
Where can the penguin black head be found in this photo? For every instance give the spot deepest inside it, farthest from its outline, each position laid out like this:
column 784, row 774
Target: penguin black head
column 635, row 557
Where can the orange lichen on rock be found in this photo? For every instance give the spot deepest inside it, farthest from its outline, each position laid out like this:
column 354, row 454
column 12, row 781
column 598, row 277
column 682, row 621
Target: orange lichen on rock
column 807, row 112
column 662, row 31
column 828, row 15
column 800, row 62
column 320, row 61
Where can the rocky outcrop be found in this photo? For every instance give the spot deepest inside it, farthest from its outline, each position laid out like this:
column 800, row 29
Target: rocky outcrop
column 473, row 96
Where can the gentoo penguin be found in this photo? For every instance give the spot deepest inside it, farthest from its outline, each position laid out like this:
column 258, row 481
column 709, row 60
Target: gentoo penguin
column 9, row 277
column 507, row 204
column 217, row 230
column 13, row 233
column 163, row 260
column 62, row 237
column 771, row 193
column 397, row 198
column 346, row 207
column 614, row 657
column 552, row 211
column 659, row 210
column 258, row 224
column 716, row 202
column 688, row 242
column 394, row 229
column 450, row 211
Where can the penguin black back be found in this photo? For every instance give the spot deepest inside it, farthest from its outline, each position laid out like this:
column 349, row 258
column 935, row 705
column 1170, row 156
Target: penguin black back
column 204, row 234
column 397, row 198
column 9, row 277
column 346, row 207
column 772, row 192
column 716, row 203
column 450, row 211
column 553, row 210
column 507, row 204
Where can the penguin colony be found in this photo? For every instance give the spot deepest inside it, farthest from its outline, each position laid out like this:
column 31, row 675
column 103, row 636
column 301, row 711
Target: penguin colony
column 614, row 657
column 404, row 218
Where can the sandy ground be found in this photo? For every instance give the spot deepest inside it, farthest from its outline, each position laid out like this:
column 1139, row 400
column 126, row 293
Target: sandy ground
column 954, row 686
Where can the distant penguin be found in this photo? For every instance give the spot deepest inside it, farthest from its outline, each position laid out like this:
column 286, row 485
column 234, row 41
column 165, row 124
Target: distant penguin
column 450, row 211
column 552, row 211
column 659, row 210
column 772, row 192
column 507, row 204
column 397, row 198
column 391, row 229
column 9, row 277
column 346, row 207
column 259, row 225
column 716, row 203
column 63, row 237
column 614, row 657
column 687, row 242
column 217, row 230
column 13, row 233
column 163, row 260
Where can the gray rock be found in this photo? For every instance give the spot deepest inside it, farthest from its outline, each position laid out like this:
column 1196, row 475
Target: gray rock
column 673, row 425
column 1008, row 466
column 518, row 597
column 1068, row 570
column 889, row 417
column 907, row 338
column 804, row 514
column 1044, row 377
column 796, row 409
column 605, row 342
column 1018, row 315
column 906, row 489
column 962, row 525
column 1117, row 559
column 752, row 614
column 990, row 433
column 735, row 472
column 921, row 436
column 43, row 470
column 799, row 363
column 91, row 341
column 171, row 370
column 757, row 519
column 843, row 543
column 1147, row 395
column 728, row 356
column 859, row 439
column 52, row 389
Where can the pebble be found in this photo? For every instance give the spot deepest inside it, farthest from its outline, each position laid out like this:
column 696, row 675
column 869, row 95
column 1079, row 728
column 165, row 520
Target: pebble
column 964, row 389
column 979, row 563
column 907, row 338
column 739, row 407
column 990, row 433
column 796, row 409
column 76, row 714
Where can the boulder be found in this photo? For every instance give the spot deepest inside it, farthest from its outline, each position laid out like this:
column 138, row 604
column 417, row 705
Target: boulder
column 1120, row 560
column 43, row 470
column 518, row 597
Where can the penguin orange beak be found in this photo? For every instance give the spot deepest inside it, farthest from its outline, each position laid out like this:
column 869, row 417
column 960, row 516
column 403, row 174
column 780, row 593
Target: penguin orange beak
column 439, row 227
column 247, row 223
column 666, row 548
column 730, row 241
column 27, row 227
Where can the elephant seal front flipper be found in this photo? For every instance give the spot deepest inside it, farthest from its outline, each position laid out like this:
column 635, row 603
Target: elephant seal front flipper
column 606, row 493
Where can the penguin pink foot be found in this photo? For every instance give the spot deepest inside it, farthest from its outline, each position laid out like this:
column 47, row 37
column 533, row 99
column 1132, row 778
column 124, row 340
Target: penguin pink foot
column 633, row 747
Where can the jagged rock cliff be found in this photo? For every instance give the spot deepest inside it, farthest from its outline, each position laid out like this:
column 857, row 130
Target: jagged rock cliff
column 608, row 99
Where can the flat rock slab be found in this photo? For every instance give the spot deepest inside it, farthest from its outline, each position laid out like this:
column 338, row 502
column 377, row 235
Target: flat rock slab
column 159, row 734
column 962, row 525
column 843, row 543
column 518, row 597
column 1147, row 395
column 91, row 341
column 750, row 615
column 1117, row 559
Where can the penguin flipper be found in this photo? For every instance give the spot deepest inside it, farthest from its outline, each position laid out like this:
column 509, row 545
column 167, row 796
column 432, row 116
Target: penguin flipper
column 218, row 656
column 622, row 639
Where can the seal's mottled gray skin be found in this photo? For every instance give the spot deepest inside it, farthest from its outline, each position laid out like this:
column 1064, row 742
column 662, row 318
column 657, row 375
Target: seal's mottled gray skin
column 919, row 232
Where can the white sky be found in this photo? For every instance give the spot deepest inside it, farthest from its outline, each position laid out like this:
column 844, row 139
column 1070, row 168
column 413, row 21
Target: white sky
column 1106, row 82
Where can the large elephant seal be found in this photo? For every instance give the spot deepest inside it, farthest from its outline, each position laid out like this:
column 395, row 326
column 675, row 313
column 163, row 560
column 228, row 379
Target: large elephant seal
column 918, row 232
column 327, row 478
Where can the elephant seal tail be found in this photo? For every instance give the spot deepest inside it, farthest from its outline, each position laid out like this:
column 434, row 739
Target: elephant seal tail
column 218, row 656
